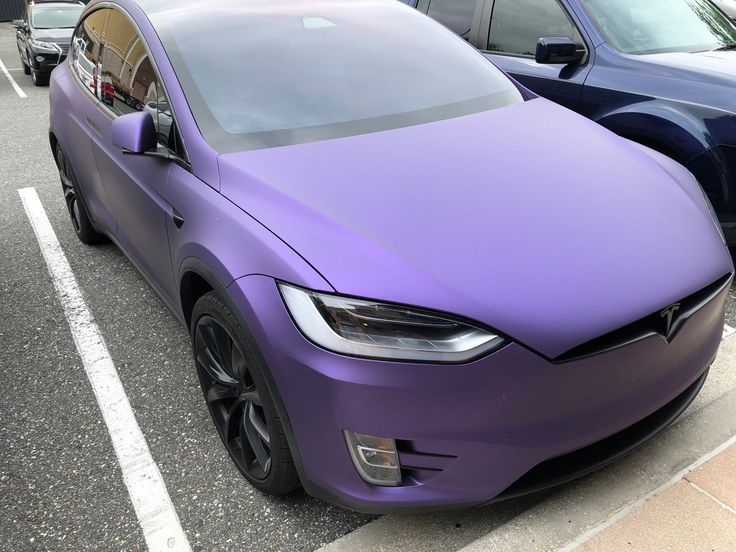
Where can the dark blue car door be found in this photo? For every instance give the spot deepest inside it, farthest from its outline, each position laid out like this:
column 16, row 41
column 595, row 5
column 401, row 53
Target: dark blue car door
column 508, row 34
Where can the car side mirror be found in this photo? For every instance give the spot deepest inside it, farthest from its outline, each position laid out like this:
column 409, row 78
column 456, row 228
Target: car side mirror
column 19, row 24
column 134, row 133
column 558, row 50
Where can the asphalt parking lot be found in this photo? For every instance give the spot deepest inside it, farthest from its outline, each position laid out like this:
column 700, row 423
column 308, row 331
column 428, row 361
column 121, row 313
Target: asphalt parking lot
column 61, row 487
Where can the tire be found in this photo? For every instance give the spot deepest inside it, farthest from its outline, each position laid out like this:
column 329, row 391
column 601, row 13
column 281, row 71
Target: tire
column 233, row 385
column 80, row 219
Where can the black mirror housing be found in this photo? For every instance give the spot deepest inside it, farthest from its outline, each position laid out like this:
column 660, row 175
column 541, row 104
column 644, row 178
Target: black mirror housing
column 558, row 50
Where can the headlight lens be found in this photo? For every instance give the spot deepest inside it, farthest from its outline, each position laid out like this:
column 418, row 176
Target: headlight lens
column 46, row 46
column 369, row 329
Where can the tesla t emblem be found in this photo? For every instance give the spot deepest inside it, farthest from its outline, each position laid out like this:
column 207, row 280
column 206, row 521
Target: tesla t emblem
column 668, row 315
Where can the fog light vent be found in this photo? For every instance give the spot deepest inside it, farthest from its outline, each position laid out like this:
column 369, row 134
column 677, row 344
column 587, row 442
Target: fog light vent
column 375, row 458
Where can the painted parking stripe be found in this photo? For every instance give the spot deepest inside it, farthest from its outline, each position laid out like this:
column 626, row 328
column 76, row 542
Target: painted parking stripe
column 156, row 515
column 728, row 331
column 14, row 84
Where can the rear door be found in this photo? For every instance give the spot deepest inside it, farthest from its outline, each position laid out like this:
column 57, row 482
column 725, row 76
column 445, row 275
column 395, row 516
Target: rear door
column 509, row 33
column 87, row 119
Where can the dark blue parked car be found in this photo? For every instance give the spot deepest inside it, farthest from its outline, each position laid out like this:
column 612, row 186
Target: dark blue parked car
column 660, row 72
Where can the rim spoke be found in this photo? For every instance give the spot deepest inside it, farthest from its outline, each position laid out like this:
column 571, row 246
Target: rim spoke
column 214, row 369
column 258, row 424
column 223, row 346
column 208, row 354
column 233, row 419
column 251, row 395
column 65, row 181
column 219, row 393
column 237, row 363
column 249, row 433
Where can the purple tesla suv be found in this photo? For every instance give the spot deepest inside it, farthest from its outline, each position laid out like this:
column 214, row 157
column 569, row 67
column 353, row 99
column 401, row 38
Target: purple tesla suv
column 410, row 283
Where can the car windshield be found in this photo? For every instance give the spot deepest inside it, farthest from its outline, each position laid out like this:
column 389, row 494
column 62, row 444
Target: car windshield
column 272, row 73
column 657, row 26
column 56, row 17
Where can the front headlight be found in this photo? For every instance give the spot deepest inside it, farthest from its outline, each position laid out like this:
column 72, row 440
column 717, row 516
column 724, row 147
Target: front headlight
column 376, row 330
column 44, row 46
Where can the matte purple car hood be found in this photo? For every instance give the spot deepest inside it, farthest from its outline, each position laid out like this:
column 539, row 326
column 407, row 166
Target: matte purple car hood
column 530, row 219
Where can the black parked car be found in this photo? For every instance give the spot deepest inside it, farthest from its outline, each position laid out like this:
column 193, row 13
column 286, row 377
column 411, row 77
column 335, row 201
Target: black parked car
column 44, row 35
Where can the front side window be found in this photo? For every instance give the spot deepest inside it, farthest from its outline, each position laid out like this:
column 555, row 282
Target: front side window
column 657, row 26
column 54, row 17
column 128, row 81
column 457, row 15
column 85, row 50
column 517, row 25
column 280, row 73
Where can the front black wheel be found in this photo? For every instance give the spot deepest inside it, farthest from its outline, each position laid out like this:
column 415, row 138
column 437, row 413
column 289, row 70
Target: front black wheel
column 78, row 214
column 38, row 78
column 26, row 67
column 239, row 399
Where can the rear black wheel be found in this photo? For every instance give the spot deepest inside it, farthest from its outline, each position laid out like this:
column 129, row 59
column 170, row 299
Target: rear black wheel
column 239, row 400
column 78, row 214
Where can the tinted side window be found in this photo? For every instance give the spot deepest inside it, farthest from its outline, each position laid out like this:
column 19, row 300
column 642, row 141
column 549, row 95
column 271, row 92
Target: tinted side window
column 128, row 82
column 454, row 14
column 517, row 25
column 85, row 49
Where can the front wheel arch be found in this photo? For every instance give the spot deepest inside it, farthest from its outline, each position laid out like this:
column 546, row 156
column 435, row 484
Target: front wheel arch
column 670, row 131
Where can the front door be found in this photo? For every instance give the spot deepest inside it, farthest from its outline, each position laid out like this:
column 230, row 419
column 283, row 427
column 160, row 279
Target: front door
column 138, row 185
column 515, row 28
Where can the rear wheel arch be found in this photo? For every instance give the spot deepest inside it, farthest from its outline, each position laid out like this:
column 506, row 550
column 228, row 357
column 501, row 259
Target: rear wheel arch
column 53, row 141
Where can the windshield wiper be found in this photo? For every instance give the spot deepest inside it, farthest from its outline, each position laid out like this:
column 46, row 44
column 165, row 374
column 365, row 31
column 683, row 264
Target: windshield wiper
column 726, row 47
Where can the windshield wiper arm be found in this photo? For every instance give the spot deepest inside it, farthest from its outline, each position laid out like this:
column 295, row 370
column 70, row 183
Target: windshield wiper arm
column 726, row 47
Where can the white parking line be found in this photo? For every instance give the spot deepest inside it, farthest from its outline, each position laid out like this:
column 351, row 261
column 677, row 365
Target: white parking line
column 14, row 84
column 728, row 331
column 146, row 487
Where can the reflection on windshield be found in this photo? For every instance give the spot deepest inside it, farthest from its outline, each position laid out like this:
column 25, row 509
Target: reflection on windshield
column 656, row 26
column 55, row 18
column 280, row 74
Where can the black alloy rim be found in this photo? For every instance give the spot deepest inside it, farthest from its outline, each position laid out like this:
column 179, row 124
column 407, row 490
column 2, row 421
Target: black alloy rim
column 232, row 397
column 70, row 195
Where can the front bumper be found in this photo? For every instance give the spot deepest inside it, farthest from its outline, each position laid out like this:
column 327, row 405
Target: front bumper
column 48, row 62
column 465, row 433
